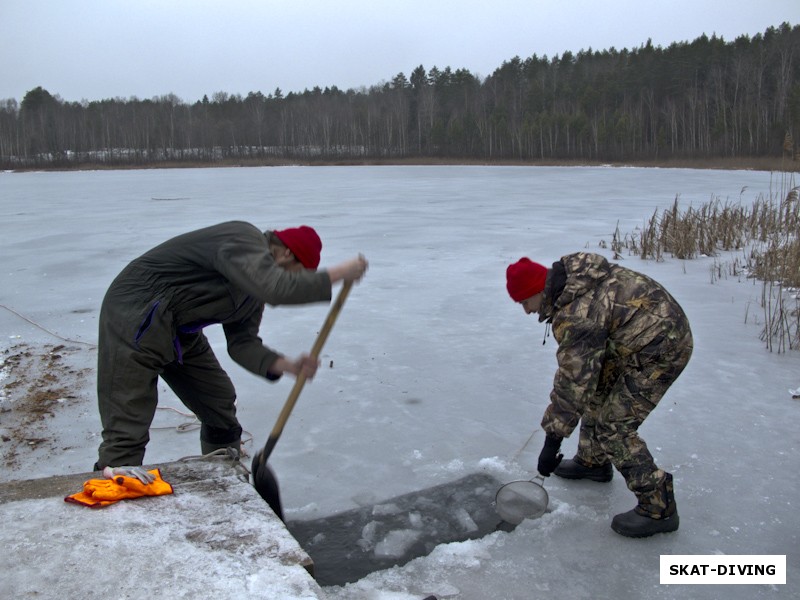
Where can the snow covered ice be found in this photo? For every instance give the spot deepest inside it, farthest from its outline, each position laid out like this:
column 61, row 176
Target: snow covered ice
column 431, row 372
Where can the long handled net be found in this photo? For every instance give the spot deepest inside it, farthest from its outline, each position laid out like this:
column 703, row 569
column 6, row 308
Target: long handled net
column 520, row 500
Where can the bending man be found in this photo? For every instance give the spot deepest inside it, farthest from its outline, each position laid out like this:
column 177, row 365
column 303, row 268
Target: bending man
column 152, row 320
column 622, row 341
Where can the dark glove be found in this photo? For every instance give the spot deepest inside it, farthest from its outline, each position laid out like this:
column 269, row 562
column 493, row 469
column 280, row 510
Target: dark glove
column 549, row 456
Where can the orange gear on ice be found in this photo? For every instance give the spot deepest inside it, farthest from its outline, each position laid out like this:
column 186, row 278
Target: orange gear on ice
column 102, row 492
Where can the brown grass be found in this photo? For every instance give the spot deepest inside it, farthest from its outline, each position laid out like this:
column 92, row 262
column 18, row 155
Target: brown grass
column 768, row 235
column 39, row 382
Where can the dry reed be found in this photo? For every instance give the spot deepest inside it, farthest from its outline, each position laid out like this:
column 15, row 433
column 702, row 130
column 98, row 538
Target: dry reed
column 766, row 233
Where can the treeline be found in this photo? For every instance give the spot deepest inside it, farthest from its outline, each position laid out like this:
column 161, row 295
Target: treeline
column 702, row 99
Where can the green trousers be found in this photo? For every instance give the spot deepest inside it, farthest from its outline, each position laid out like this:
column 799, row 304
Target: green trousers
column 137, row 344
column 609, row 426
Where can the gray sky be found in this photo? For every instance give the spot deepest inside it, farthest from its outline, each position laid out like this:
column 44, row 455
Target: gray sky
column 96, row 49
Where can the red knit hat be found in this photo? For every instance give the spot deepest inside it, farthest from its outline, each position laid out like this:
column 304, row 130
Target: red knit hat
column 524, row 279
column 304, row 243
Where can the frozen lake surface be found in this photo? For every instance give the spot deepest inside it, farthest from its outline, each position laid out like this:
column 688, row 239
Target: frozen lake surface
column 431, row 373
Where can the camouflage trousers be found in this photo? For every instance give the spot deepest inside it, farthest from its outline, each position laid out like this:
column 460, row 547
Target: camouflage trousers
column 609, row 425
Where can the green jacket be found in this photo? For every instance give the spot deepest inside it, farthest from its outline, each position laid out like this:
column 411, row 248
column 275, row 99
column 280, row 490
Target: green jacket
column 220, row 274
column 606, row 319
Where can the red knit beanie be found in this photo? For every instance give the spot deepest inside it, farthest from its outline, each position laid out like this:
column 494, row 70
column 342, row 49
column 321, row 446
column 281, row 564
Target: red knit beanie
column 524, row 279
column 304, row 243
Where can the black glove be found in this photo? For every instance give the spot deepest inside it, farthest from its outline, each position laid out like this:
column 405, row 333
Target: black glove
column 549, row 456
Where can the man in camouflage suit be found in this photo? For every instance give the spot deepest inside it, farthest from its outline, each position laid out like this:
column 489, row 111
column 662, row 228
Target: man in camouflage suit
column 622, row 341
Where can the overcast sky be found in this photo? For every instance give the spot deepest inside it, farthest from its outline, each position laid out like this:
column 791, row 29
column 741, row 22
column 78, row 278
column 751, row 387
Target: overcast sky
column 96, row 49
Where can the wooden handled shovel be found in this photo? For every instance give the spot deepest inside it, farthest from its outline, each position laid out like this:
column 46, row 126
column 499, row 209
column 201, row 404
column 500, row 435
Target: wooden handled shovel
column 263, row 478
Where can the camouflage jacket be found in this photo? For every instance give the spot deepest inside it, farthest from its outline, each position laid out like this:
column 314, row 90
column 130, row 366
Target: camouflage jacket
column 606, row 319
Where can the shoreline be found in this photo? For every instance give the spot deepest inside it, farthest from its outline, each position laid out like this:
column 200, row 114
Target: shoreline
column 771, row 164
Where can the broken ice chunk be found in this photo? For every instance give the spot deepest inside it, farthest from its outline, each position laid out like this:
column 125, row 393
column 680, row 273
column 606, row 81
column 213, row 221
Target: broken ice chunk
column 396, row 543
column 465, row 520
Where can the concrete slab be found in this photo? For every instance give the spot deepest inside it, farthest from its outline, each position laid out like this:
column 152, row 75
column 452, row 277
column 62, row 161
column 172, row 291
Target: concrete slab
column 215, row 537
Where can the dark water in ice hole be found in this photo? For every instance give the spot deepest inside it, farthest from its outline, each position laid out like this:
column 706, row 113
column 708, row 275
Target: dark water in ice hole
column 347, row 546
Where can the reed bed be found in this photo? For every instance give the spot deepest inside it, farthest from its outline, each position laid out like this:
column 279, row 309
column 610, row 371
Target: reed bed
column 765, row 237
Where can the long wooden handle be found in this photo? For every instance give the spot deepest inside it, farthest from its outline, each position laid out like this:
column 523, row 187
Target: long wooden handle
column 322, row 336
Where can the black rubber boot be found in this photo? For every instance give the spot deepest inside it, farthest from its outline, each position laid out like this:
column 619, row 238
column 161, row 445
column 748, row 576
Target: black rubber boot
column 646, row 520
column 208, row 448
column 577, row 469
column 214, row 438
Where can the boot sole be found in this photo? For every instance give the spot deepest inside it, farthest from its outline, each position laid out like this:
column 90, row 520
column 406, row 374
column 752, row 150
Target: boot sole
column 587, row 478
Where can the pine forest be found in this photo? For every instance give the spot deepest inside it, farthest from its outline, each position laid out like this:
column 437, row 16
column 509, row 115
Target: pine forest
column 705, row 99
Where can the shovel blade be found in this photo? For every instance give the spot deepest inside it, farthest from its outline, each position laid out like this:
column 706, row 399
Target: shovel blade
column 266, row 483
